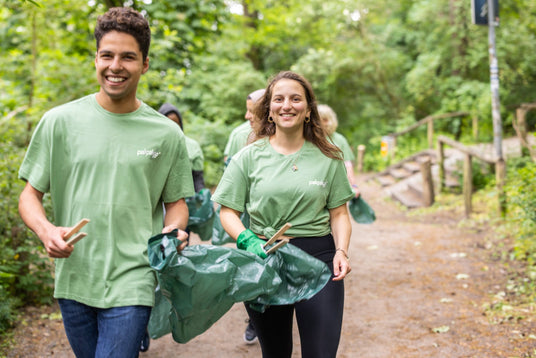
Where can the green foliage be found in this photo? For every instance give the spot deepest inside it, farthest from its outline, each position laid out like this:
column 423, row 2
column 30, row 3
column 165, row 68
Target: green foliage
column 25, row 271
column 521, row 195
column 8, row 309
column 182, row 29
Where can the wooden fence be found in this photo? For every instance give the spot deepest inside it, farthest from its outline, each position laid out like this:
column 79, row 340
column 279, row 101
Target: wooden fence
column 429, row 122
column 469, row 154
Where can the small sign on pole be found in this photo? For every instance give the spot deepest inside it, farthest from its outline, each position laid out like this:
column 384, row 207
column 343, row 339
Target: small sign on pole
column 479, row 12
column 387, row 146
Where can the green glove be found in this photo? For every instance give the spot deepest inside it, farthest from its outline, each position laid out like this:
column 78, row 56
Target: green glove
column 247, row 240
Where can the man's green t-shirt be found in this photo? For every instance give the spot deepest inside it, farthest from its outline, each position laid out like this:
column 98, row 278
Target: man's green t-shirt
column 195, row 153
column 237, row 139
column 114, row 169
column 262, row 182
column 342, row 143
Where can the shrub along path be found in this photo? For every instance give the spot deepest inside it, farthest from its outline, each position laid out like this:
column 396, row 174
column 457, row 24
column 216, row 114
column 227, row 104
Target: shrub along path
column 420, row 287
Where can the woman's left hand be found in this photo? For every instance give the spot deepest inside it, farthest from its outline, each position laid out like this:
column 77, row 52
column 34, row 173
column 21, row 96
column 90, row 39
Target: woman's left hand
column 341, row 265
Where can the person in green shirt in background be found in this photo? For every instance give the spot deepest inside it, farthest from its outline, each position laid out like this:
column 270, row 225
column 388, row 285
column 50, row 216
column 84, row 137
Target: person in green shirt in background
column 243, row 134
column 292, row 174
column 195, row 153
column 114, row 160
column 329, row 121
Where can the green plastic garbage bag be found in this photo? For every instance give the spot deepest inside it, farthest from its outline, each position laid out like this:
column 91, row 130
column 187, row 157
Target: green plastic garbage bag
column 159, row 323
column 198, row 286
column 201, row 210
column 302, row 277
column 361, row 212
column 219, row 236
column 201, row 284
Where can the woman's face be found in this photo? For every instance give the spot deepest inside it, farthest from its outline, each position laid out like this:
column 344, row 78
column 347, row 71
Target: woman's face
column 288, row 105
column 327, row 124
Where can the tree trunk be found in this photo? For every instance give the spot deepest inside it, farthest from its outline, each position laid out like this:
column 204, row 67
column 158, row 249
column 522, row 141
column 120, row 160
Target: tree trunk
column 254, row 53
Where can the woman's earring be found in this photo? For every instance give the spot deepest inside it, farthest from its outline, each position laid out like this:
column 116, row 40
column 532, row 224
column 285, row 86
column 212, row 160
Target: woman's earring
column 270, row 119
column 307, row 119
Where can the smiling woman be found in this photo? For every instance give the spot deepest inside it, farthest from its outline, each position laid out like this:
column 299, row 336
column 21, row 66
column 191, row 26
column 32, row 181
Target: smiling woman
column 292, row 174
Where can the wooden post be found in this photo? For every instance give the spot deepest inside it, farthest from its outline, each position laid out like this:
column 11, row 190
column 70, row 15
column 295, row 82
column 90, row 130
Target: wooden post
column 430, row 134
column 521, row 127
column 475, row 128
column 500, row 175
column 467, row 184
column 360, row 157
column 427, row 182
column 441, row 160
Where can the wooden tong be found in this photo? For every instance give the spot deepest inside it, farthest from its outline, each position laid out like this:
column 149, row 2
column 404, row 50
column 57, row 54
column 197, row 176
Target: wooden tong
column 276, row 236
column 74, row 230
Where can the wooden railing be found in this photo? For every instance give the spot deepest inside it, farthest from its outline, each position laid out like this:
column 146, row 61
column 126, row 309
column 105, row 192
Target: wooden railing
column 429, row 121
column 470, row 153
column 520, row 126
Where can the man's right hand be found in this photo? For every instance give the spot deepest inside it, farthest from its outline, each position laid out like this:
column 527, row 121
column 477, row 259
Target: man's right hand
column 54, row 242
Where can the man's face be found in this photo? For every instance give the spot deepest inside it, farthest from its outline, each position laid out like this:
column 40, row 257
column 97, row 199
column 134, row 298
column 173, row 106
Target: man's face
column 119, row 64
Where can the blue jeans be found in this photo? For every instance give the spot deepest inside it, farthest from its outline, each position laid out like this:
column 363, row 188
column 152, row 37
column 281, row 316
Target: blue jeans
column 104, row 332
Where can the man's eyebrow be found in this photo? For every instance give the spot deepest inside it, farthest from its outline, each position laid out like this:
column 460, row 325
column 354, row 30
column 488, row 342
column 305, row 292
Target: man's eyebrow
column 126, row 53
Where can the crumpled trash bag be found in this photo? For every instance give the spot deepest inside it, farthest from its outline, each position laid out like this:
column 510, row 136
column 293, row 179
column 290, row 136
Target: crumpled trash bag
column 219, row 236
column 302, row 277
column 159, row 322
column 201, row 284
column 201, row 211
column 198, row 286
column 361, row 212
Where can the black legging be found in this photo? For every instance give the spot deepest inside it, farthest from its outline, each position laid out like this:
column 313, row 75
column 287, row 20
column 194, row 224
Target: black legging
column 319, row 318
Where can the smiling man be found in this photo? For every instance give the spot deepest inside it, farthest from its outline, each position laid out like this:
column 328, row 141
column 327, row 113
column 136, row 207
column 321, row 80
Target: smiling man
column 110, row 158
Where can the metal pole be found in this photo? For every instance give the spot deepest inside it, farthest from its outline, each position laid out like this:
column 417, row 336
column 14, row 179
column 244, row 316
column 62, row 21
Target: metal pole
column 494, row 81
column 495, row 107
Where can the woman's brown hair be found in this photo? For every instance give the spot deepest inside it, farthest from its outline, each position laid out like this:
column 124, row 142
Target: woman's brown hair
column 312, row 130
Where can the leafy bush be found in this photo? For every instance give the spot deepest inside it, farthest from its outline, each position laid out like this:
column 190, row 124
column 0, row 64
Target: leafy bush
column 25, row 271
column 521, row 205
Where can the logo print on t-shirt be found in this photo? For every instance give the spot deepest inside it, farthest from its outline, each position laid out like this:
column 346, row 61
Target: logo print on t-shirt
column 318, row 182
column 148, row 153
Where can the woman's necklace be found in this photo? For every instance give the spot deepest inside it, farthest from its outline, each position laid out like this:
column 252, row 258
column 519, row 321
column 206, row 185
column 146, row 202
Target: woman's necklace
column 294, row 167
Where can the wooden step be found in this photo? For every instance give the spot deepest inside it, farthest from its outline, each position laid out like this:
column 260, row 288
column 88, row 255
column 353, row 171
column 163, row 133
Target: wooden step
column 407, row 198
column 416, row 187
column 412, row 166
column 399, row 173
column 386, row 180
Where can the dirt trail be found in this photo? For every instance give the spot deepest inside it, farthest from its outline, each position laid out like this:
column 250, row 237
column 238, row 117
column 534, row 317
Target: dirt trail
column 412, row 275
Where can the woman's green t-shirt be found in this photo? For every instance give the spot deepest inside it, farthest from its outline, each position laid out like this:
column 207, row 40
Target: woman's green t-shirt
column 263, row 182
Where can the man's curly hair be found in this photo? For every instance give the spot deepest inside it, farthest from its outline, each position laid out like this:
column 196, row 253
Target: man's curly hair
column 127, row 20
